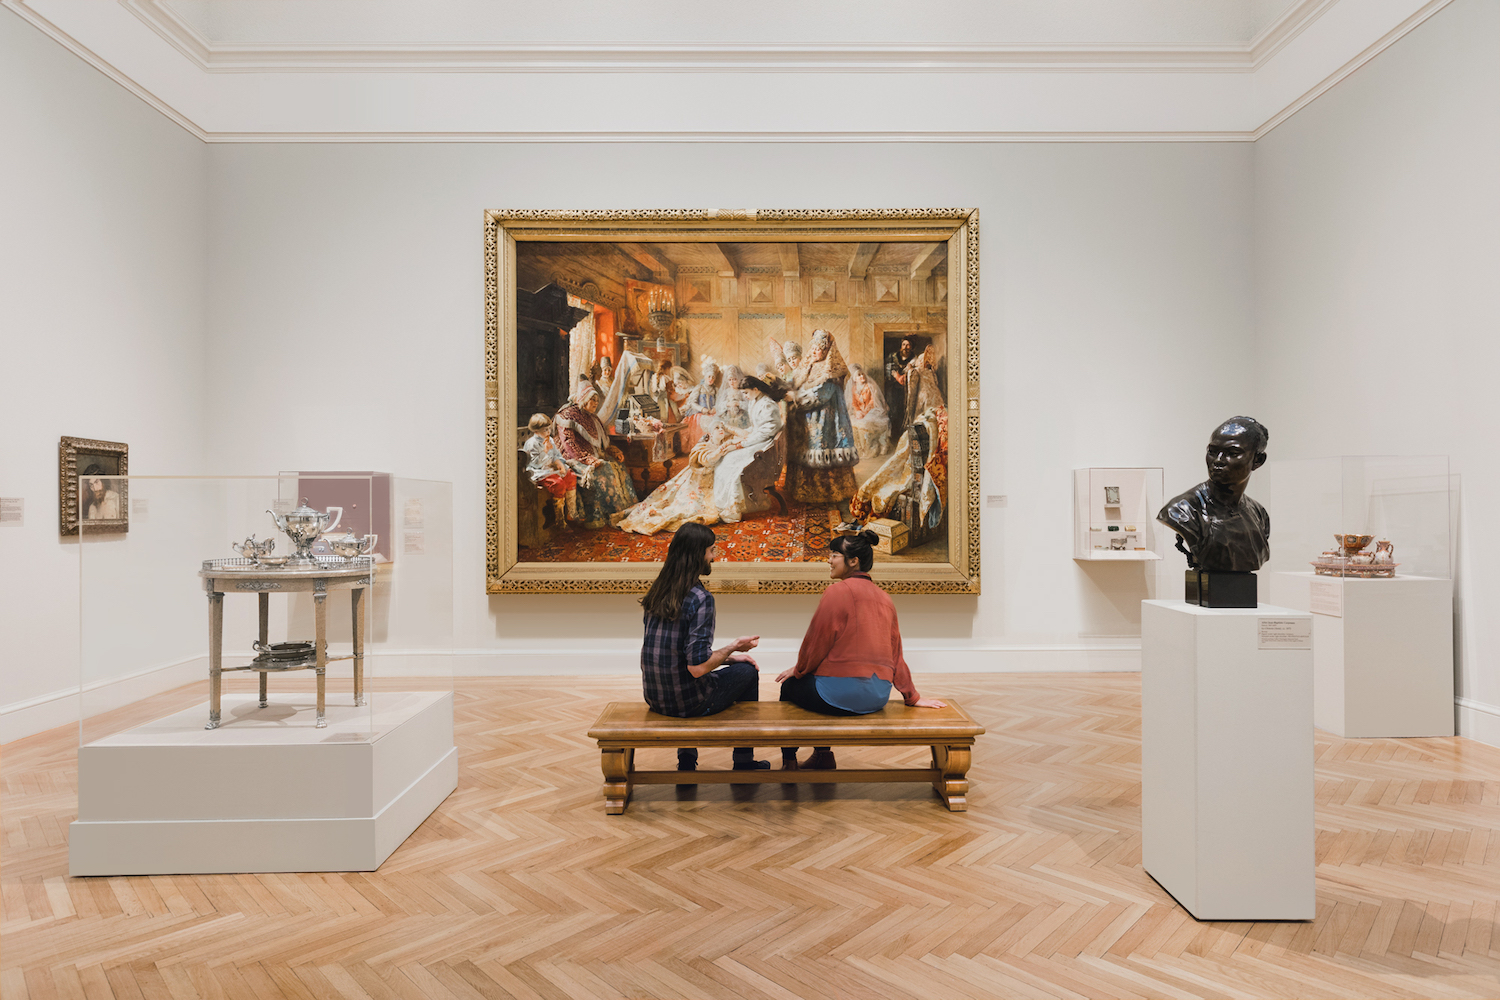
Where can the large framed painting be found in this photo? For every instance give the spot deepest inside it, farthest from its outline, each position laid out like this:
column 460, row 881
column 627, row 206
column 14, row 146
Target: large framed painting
column 781, row 376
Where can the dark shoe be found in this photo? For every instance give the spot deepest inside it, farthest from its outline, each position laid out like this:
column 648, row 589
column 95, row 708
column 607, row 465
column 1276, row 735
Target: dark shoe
column 752, row 765
column 789, row 763
column 821, row 760
column 687, row 761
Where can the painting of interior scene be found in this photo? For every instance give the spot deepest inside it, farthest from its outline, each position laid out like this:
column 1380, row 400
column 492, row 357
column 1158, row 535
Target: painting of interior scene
column 780, row 393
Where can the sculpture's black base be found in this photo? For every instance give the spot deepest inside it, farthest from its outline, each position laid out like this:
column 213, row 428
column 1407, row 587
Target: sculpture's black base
column 1220, row 589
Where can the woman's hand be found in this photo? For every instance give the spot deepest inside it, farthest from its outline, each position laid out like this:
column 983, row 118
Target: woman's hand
column 785, row 675
column 929, row 703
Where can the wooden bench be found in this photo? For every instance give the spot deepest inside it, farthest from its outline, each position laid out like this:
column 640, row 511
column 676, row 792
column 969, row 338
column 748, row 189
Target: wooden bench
column 626, row 726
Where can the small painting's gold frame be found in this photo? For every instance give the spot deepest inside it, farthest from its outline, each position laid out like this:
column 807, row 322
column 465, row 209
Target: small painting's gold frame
column 67, row 483
column 505, row 574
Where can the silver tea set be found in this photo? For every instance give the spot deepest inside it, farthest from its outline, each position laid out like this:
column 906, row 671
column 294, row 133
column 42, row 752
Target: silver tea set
column 304, row 526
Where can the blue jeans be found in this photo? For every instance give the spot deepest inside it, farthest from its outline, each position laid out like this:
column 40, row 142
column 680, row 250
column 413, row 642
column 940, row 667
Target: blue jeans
column 735, row 681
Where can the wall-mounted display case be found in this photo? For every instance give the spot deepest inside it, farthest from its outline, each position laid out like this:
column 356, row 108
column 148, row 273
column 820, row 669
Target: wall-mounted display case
column 1115, row 514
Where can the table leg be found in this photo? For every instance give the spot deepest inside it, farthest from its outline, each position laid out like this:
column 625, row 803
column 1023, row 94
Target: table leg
column 952, row 765
column 359, row 607
column 617, row 765
column 265, row 637
column 320, row 620
column 215, row 655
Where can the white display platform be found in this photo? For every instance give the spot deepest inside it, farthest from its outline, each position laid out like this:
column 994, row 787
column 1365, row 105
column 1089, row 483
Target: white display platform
column 267, row 791
column 1382, row 652
column 1227, row 759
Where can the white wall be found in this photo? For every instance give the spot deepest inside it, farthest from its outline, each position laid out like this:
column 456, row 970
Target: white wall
column 1132, row 296
column 1377, row 253
column 1115, row 279
column 102, row 292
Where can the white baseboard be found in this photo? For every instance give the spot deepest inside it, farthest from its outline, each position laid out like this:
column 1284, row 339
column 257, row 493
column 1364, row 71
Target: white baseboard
column 59, row 708
column 560, row 662
column 1478, row 721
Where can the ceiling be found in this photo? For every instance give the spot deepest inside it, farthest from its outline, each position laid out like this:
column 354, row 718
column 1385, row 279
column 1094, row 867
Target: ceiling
column 865, row 22
column 675, row 70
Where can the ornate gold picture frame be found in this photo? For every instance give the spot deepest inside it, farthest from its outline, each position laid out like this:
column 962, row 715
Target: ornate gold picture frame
column 103, row 504
column 780, row 375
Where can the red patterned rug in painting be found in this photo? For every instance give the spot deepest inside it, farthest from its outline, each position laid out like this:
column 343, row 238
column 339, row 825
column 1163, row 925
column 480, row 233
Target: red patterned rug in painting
column 801, row 535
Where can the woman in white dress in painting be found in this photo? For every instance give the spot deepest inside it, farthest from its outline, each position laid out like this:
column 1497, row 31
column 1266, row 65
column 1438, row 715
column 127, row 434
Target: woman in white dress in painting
column 764, row 414
column 867, row 412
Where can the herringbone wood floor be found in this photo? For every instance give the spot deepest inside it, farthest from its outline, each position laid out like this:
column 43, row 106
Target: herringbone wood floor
column 519, row 885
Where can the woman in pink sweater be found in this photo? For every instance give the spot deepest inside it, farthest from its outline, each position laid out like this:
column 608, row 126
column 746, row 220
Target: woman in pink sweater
column 851, row 655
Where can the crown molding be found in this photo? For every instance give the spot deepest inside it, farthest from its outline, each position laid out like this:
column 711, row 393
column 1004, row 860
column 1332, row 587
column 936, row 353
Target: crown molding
column 822, row 136
column 688, row 57
column 190, row 91
column 103, row 65
column 1347, row 69
column 1279, row 33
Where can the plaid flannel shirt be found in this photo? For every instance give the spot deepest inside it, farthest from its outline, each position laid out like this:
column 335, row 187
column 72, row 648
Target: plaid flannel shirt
column 668, row 649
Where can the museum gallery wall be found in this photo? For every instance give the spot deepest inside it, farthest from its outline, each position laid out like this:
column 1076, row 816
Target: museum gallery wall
column 1132, row 296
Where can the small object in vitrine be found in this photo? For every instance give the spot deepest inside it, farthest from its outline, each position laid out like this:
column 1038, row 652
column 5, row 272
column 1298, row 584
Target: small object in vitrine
column 348, row 545
column 1096, row 529
column 282, row 652
column 253, row 550
column 1117, row 543
column 305, row 526
column 1111, row 496
column 1350, row 559
column 1114, row 527
column 1129, row 527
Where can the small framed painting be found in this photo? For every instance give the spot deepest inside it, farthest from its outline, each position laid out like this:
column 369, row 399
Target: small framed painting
column 90, row 485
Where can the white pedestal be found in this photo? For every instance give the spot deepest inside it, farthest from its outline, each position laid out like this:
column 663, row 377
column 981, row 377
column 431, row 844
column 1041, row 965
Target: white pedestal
column 266, row 794
column 1227, row 761
column 1382, row 652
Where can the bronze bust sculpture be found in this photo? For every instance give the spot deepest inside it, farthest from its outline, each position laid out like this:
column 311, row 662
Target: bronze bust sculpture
column 1227, row 534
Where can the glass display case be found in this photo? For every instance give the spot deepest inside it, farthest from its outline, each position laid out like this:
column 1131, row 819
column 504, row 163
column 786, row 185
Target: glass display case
column 1359, row 516
column 1365, row 543
column 1115, row 514
column 205, row 598
column 265, row 685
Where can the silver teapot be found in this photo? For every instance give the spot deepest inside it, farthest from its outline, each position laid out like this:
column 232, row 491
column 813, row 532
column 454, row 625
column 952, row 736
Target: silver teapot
column 253, row 550
column 348, row 545
column 304, row 526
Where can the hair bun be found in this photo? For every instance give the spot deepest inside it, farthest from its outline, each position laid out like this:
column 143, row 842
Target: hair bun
column 869, row 538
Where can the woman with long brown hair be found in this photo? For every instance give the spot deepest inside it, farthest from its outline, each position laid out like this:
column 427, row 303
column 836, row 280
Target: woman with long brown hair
column 682, row 675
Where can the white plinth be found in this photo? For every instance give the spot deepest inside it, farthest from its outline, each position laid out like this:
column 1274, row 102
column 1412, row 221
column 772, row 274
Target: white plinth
column 1227, row 762
column 1382, row 652
column 268, row 792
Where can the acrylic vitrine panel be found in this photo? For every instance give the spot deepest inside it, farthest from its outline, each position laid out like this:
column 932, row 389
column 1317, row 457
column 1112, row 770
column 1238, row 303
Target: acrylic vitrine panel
column 154, row 598
column 410, row 526
column 1359, row 516
column 166, row 602
column 1115, row 513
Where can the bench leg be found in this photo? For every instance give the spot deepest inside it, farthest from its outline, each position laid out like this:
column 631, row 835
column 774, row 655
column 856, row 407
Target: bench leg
column 617, row 766
column 952, row 765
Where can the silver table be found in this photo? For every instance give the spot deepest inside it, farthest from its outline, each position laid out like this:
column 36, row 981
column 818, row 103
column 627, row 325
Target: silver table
column 243, row 576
